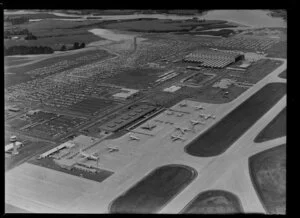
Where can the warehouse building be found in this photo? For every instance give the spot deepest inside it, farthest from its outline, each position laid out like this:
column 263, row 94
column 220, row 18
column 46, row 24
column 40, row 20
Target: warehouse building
column 213, row 58
column 126, row 94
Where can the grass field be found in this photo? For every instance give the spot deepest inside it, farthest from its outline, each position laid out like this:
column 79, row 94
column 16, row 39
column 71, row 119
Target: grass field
column 268, row 174
column 55, row 33
column 91, row 105
column 237, row 122
column 136, row 78
column 275, row 129
column 11, row 61
column 214, row 202
column 17, row 75
column 154, row 191
column 39, row 16
column 279, row 50
column 157, row 25
column 283, row 75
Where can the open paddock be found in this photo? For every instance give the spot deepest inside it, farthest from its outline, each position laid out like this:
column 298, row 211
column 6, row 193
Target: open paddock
column 155, row 190
column 11, row 60
column 283, row 75
column 158, row 25
column 268, row 174
column 214, row 202
column 275, row 129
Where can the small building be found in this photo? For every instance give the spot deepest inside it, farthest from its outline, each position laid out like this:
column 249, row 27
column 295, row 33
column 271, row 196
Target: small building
column 10, row 146
column 172, row 89
column 245, row 65
column 125, row 94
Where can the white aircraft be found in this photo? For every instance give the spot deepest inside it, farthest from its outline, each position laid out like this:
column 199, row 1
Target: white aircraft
column 112, row 149
column 183, row 104
column 206, row 116
column 132, row 137
column 195, row 122
column 88, row 156
column 174, row 138
column 149, row 126
column 199, row 107
column 182, row 129
column 170, row 113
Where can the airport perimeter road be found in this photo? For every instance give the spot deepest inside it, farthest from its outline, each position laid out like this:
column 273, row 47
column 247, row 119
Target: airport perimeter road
column 228, row 171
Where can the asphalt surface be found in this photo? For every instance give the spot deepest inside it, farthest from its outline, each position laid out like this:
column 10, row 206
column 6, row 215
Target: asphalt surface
column 216, row 140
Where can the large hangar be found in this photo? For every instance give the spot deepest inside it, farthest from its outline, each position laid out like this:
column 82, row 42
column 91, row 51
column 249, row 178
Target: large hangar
column 213, row 58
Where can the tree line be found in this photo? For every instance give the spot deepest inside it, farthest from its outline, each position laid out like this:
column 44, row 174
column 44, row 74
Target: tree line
column 15, row 32
column 76, row 45
column 23, row 50
column 16, row 20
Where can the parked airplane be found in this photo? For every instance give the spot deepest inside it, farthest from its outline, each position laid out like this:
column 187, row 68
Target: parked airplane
column 132, row 137
column 112, row 149
column 206, row 116
column 182, row 129
column 170, row 112
column 199, row 107
column 195, row 122
column 88, row 156
column 183, row 104
column 149, row 126
column 174, row 138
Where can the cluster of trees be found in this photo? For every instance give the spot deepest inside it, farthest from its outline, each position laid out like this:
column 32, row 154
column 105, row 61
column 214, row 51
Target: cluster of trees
column 16, row 20
column 23, row 50
column 76, row 45
column 15, row 32
column 30, row 36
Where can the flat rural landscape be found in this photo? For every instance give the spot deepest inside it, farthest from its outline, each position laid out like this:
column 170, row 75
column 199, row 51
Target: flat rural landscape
column 145, row 111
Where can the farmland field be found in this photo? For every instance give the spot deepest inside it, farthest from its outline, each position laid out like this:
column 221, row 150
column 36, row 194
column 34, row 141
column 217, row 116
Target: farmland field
column 155, row 190
column 275, row 129
column 214, row 202
column 245, row 115
column 268, row 174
